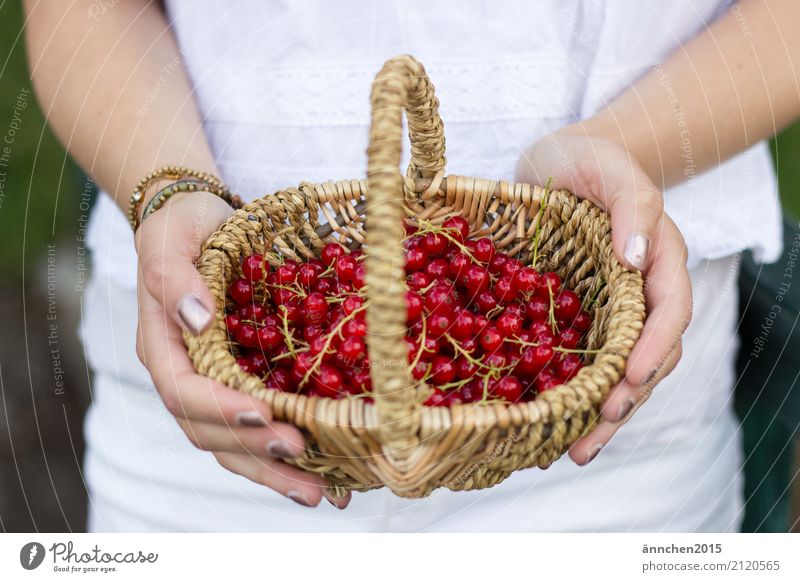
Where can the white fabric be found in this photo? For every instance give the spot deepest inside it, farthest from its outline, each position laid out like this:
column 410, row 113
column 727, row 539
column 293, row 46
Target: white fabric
column 673, row 467
column 284, row 89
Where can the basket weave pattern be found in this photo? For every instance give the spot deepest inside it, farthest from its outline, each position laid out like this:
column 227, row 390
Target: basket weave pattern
column 398, row 442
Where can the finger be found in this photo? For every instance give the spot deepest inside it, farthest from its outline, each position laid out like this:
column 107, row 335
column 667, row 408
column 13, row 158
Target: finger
column 604, row 172
column 586, row 449
column 668, row 296
column 623, row 402
column 169, row 241
column 277, row 440
column 300, row 486
column 625, row 395
column 185, row 393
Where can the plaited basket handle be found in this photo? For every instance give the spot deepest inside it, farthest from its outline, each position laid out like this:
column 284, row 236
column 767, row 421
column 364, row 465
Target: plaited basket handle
column 402, row 84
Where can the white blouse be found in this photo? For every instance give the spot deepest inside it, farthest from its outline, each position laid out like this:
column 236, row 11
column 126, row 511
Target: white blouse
column 284, row 91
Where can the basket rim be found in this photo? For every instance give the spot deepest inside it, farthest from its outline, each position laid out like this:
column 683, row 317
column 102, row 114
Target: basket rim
column 482, row 416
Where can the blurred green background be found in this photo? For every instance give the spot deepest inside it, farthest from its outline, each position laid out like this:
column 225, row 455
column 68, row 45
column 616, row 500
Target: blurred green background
column 41, row 435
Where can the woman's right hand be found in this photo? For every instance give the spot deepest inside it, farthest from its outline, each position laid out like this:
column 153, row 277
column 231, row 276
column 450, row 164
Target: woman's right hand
column 236, row 428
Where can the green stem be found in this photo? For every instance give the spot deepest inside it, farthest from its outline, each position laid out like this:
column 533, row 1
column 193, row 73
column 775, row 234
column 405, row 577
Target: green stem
column 287, row 335
column 575, row 351
column 552, row 311
column 595, row 295
column 539, row 217
column 328, row 340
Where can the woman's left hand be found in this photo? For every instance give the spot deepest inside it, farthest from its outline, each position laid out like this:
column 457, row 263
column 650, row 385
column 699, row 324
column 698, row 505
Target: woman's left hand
column 644, row 238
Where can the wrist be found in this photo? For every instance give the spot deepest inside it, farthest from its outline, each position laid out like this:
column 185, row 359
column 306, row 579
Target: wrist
column 200, row 211
column 178, row 180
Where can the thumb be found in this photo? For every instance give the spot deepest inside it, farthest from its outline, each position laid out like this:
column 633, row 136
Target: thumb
column 605, row 173
column 168, row 243
column 636, row 207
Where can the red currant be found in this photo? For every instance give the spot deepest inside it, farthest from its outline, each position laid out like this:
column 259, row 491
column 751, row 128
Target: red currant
column 434, row 243
column 413, row 306
column 568, row 366
column 233, row 324
column 465, row 368
column 439, row 299
column 477, row 279
column 547, row 284
column 459, row 265
column 285, row 274
column 508, row 388
column 483, row 250
column 458, row 228
column 331, row 252
column 307, row 275
column 582, row 322
column 269, row 338
column 509, row 324
column 485, row 301
column 416, row 259
column 353, row 350
column 491, row 339
column 462, row 327
column 247, row 336
column 328, row 381
column 567, row 305
column 241, row 291
column 537, row 309
column 418, row 280
column 439, row 324
column 569, row 338
column 253, row 268
column 443, row 370
column 546, row 381
column 504, row 289
column 526, row 279
column 345, row 268
column 438, row 269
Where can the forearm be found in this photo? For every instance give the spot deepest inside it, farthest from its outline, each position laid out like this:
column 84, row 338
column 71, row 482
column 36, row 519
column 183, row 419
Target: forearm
column 735, row 84
column 115, row 91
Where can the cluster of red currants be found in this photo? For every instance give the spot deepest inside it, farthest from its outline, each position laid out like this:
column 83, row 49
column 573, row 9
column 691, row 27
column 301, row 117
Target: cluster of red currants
column 481, row 324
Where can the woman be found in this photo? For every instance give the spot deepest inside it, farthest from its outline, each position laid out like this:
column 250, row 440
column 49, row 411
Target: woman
column 613, row 100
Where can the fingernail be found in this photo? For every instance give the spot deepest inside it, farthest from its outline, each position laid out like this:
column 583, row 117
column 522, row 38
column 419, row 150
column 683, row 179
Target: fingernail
column 193, row 314
column 299, row 497
column 337, row 502
column 280, row 449
column 624, row 409
column 651, row 377
column 636, row 250
column 250, row 418
column 593, row 452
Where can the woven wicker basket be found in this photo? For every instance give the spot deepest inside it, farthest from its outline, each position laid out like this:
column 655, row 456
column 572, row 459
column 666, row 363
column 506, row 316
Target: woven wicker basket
column 397, row 442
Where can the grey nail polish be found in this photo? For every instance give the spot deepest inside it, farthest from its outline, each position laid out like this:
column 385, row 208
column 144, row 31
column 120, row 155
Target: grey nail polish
column 193, row 314
column 299, row 498
column 280, row 449
column 593, row 452
column 636, row 248
column 624, row 409
column 333, row 500
column 250, row 418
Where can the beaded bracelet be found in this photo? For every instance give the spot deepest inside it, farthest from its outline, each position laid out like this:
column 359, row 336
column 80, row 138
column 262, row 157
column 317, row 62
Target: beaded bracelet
column 183, row 180
column 165, row 193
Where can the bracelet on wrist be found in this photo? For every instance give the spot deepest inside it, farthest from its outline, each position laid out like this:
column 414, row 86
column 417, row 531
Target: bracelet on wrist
column 181, row 180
